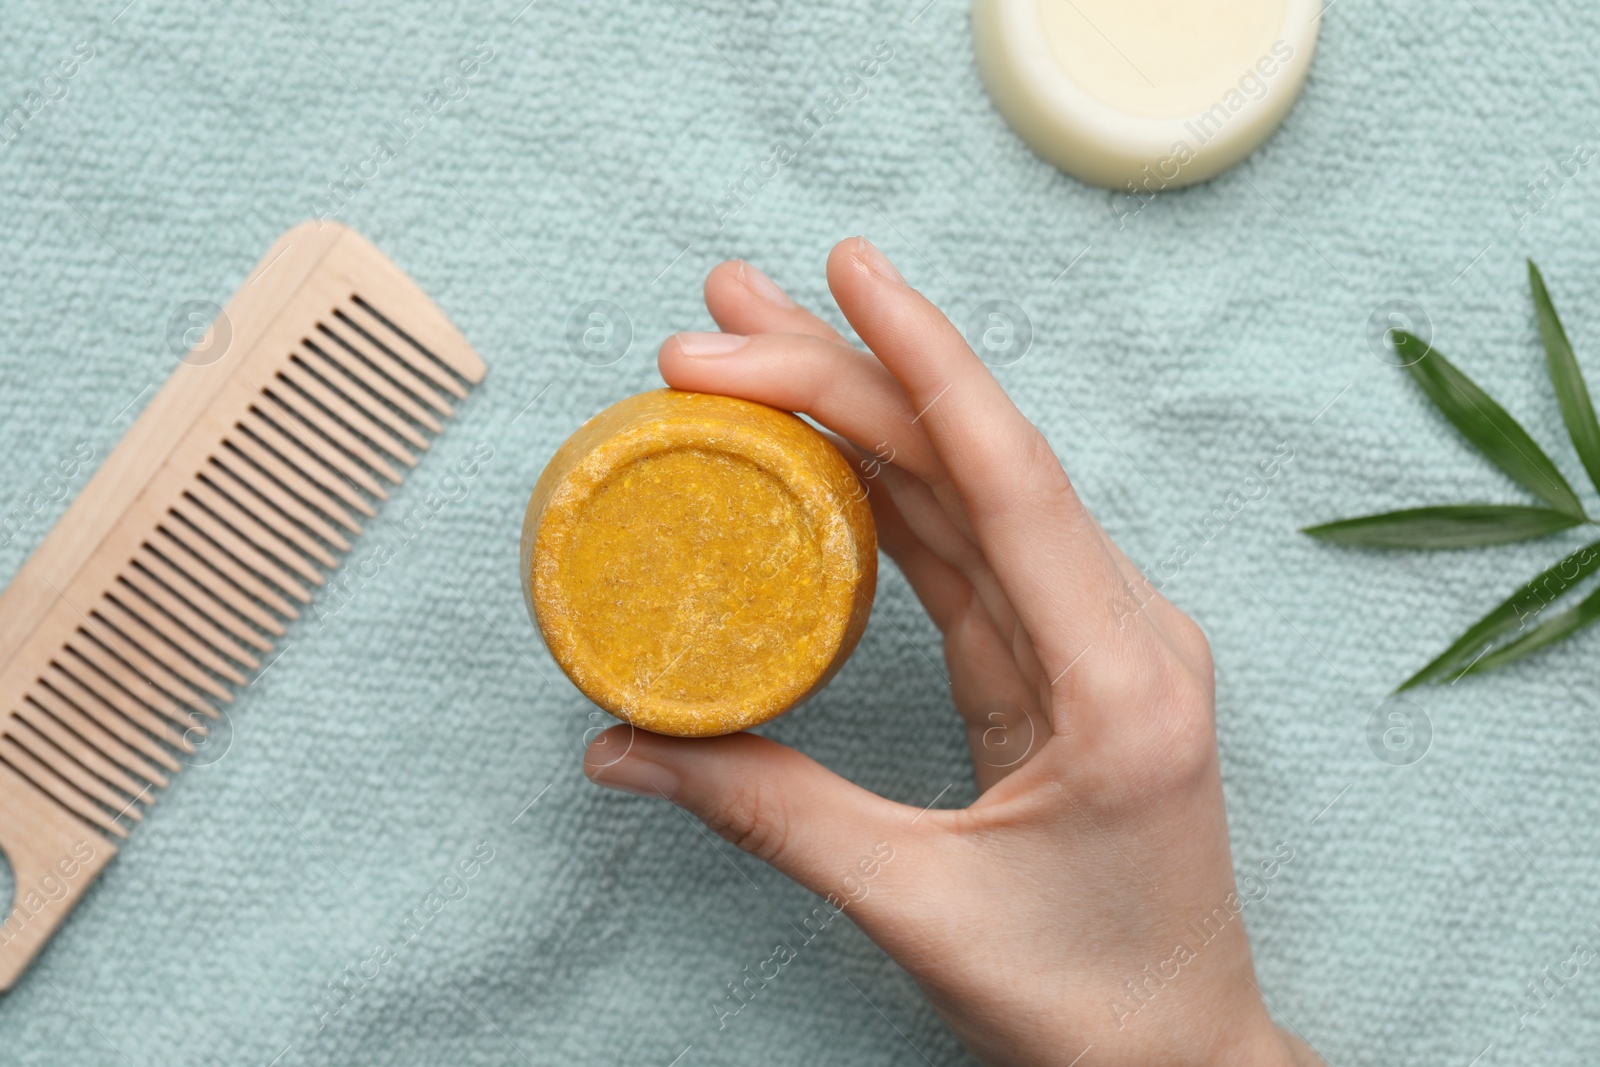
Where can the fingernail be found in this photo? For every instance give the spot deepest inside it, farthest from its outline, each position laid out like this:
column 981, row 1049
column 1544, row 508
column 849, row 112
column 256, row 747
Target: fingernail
column 634, row 775
column 762, row 286
column 869, row 255
column 710, row 344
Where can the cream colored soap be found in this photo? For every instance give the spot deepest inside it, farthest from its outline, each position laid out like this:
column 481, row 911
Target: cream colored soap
column 698, row 564
column 1144, row 95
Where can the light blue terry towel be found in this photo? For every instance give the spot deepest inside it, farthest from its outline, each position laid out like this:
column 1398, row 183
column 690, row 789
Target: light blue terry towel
column 614, row 152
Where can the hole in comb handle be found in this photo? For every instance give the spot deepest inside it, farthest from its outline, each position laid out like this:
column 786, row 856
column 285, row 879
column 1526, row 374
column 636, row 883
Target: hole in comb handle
column 49, row 857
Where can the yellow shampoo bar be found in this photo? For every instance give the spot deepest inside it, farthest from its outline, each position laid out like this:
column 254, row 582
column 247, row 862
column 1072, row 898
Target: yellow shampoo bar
column 698, row 564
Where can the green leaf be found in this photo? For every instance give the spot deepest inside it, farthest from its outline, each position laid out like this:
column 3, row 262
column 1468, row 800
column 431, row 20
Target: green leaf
column 1548, row 632
column 1511, row 613
column 1453, row 526
column 1577, row 411
column 1485, row 424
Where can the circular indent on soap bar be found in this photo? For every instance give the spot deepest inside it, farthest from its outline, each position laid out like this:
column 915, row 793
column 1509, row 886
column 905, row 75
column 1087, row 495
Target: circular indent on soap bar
column 1152, row 94
column 747, row 533
column 698, row 564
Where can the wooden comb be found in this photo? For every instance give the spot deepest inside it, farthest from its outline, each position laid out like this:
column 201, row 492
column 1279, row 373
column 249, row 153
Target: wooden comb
column 167, row 581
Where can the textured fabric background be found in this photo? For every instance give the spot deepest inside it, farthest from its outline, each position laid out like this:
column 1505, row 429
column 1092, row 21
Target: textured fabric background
column 590, row 158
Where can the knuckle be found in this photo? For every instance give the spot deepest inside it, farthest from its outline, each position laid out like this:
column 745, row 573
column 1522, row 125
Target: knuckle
column 1196, row 649
column 1169, row 744
column 1186, row 742
column 747, row 821
column 1129, row 681
column 1043, row 468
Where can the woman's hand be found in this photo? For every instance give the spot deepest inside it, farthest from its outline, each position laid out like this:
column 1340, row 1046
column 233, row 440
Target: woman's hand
column 1085, row 905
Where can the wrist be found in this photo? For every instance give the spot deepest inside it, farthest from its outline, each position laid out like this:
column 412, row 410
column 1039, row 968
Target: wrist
column 1267, row 1045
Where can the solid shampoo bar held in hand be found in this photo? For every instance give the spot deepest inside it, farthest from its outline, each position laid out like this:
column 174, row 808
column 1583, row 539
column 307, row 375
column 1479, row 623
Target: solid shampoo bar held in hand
column 698, row 564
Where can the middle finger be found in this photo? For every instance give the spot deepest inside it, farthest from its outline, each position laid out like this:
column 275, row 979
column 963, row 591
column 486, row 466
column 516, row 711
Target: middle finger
column 847, row 391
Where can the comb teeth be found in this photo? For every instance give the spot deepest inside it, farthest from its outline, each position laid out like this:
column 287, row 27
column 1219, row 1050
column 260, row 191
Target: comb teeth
column 188, row 616
column 221, row 511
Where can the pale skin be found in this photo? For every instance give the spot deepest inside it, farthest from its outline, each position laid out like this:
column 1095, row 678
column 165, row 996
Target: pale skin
column 1099, row 834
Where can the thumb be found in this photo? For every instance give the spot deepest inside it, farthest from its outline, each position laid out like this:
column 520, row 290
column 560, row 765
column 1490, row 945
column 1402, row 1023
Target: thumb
column 780, row 806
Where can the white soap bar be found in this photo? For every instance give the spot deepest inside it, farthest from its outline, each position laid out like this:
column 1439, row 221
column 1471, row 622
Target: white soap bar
column 1152, row 94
